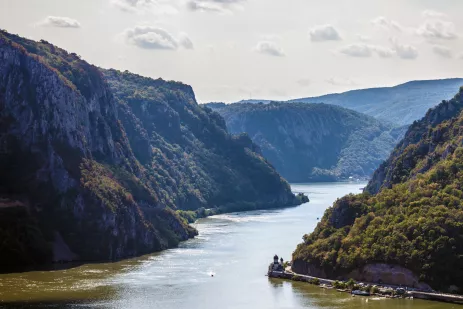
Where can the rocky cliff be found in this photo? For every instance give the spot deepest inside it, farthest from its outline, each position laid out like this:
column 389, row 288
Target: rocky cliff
column 314, row 142
column 411, row 222
column 95, row 163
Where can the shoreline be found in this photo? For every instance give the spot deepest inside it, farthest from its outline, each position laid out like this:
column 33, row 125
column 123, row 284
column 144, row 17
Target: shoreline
column 328, row 283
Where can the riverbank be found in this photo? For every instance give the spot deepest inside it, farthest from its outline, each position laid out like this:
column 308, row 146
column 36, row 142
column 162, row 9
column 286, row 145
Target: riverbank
column 191, row 216
column 380, row 290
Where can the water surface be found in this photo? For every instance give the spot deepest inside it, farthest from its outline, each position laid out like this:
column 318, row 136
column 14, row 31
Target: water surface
column 235, row 248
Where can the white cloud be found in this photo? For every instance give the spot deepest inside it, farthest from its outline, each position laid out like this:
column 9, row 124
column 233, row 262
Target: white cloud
column 404, row 51
column 442, row 51
column 324, row 33
column 384, row 52
column 185, row 41
column 148, row 37
column 217, row 6
column 362, row 50
column 437, row 29
column 357, row 50
column 460, row 56
column 269, row 48
column 61, row 22
column 385, row 23
column 158, row 7
column 338, row 81
column 433, row 14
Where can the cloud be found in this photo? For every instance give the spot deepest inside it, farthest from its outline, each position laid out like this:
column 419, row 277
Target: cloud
column 158, row 7
column 404, row 51
column 185, row 41
column 361, row 50
column 324, row 33
column 385, row 23
column 269, row 48
column 357, row 50
column 148, row 37
column 442, row 51
column 437, row 29
column 215, row 6
column 433, row 14
column 61, row 22
column 337, row 81
column 460, row 56
column 384, row 52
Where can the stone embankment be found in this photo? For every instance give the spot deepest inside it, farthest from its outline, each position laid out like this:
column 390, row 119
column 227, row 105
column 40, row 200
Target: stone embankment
column 290, row 275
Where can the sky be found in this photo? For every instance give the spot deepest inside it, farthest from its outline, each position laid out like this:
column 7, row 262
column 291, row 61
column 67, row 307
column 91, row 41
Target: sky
column 229, row 50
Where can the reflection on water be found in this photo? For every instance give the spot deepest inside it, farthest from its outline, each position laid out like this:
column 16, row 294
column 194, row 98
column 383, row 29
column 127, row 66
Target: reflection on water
column 235, row 248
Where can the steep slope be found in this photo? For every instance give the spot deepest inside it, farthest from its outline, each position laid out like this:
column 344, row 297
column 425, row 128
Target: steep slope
column 94, row 164
column 313, row 142
column 400, row 104
column 410, row 232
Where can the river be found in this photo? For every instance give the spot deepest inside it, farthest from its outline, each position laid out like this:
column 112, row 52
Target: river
column 235, row 248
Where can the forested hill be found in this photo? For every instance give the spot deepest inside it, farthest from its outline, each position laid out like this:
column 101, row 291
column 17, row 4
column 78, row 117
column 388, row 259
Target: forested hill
column 313, row 142
column 413, row 221
column 95, row 163
column 401, row 104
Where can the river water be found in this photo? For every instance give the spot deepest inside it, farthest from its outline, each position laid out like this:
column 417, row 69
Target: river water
column 235, row 248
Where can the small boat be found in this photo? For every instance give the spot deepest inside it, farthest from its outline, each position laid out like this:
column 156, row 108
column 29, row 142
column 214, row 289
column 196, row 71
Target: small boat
column 360, row 293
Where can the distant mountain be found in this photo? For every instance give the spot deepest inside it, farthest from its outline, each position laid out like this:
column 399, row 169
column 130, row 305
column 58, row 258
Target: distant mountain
column 400, row 104
column 407, row 229
column 254, row 101
column 313, row 142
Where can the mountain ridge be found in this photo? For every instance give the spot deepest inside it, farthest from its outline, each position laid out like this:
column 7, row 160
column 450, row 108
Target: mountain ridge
column 401, row 104
column 96, row 163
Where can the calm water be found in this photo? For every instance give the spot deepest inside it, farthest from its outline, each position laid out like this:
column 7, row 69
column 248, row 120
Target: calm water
column 236, row 248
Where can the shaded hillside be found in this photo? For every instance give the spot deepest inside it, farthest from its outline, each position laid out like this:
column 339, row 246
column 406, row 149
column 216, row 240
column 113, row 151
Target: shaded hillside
column 95, row 164
column 413, row 222
column 313, row 142
column 400, row 104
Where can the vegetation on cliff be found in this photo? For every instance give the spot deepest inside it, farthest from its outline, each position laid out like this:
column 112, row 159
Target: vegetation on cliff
column 313, row 142
column 102, row 160
column 414, row 221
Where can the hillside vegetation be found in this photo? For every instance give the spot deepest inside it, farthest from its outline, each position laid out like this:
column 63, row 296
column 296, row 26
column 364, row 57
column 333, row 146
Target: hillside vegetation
column 401, row 104
column 413, row 219
column 313, row 142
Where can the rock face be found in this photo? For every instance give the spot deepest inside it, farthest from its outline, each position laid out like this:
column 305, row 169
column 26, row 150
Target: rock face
column 95, row 163
column 392, row 274
column 407, row 227
column 313, row 142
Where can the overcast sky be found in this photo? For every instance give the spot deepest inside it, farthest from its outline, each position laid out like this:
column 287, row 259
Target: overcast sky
column 230, row 50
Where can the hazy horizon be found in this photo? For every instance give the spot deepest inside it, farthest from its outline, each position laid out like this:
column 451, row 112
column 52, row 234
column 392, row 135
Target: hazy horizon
column 240, row 49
